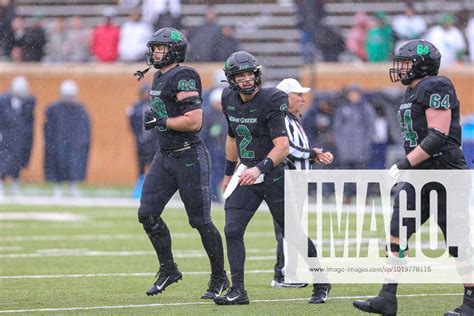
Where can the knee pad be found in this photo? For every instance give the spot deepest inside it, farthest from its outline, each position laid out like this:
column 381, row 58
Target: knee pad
column 234, row 230
column 154, row 225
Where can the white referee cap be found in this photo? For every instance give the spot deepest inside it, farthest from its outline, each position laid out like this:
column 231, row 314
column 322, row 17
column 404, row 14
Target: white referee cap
column 290, row 85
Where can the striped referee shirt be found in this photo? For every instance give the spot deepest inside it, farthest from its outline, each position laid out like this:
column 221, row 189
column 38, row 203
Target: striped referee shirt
column 300, row 152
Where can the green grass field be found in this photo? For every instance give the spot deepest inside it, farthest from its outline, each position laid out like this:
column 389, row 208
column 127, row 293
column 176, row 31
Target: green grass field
column 98, row 261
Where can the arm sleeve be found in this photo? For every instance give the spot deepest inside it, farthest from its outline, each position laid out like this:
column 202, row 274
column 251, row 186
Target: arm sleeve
column 276, row 114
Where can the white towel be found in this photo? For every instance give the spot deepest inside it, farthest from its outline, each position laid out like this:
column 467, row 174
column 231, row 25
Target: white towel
column 234, row 181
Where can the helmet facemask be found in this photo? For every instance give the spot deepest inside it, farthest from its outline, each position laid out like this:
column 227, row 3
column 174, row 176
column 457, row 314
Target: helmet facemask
column 403, row 71
column 234, row 84
column 167, row 58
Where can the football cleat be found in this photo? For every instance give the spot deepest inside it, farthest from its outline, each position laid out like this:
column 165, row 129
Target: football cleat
column 164, row 278
column 217, row 286
column 385, row 303
column 234, row 296
column 320, row 293
column 463, row 310
column 279, row 282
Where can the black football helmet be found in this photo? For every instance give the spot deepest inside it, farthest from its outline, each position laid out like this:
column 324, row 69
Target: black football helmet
column 175, row 41
column 425, row 58
column 240, row 62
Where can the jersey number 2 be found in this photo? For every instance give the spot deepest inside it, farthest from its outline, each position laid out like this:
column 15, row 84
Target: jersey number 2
column 244, row 132
column 406, row 124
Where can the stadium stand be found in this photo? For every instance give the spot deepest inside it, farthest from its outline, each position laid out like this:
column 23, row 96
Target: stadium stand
column 266, row 28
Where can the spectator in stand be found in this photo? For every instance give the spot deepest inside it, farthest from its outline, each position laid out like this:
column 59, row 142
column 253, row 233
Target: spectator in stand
column 330, row 42
column 380, row 139
column 354, row 129
column 318, row 122
column 78, row 41
column 309, row 14
column 379, row 42
column 226, row 44
column 7, row 14
column 14, row 47
column 356, row 38
column 162, row 13
column 105, row 38
column 145, row 142
column 408, row 26
column 214, row 132
column 203, row 39
column 134, row 34
column 34, row 41
column 67, row 139
column 56, row 47
column 16, row 131
column 448, row 39
column 470, row 38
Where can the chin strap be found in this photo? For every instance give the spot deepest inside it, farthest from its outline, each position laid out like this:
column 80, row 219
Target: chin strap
column 141, row 73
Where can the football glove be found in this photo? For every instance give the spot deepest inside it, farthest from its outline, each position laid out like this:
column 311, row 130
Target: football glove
column 396, row 170
column 152, row 120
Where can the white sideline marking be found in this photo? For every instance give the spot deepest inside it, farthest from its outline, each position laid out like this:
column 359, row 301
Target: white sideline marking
column 202, row 303
column 40, row 216
column 94, row 275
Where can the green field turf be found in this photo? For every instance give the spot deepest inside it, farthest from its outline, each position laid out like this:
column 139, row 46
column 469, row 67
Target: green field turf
column 102, row 263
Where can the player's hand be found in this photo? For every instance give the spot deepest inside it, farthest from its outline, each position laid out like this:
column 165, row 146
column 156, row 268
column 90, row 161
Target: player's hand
column 152, row 120
column 326, row 158
column 249, row 176
column 225, row 182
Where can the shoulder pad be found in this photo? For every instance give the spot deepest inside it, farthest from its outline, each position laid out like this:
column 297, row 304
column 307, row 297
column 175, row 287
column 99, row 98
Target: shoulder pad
column 436, row 92
column 275, row 98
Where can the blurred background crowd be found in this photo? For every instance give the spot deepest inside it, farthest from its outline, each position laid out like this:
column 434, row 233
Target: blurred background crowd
column 358, row 125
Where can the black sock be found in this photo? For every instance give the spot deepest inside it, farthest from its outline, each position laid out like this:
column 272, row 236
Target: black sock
column 238, row 280
column 390, row 287
column 212, row 242
column 469, row 296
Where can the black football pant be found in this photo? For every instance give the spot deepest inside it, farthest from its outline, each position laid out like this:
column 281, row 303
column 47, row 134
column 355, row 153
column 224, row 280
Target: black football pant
column 185, row 171
column 239, row 210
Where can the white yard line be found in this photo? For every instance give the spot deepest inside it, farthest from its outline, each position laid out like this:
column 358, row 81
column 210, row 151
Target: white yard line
column 58, row 252
column 115, row 236
column 200, row 303
column 95, row 275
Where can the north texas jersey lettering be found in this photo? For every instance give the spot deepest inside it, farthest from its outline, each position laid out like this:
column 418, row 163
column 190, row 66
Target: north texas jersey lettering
column 435, row 92
column 254, row 124
column 163, row 93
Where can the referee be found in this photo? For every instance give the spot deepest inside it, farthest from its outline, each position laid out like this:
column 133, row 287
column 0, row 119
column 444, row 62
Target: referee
column 301, row 157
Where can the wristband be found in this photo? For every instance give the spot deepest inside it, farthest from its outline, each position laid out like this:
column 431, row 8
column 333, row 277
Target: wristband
column 230, row 167
column 266, row 165
column 403, row 164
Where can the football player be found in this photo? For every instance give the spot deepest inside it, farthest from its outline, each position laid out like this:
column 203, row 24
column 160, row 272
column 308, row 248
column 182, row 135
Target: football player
column 429, row 120
column 182, row 162
column 256, row 136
